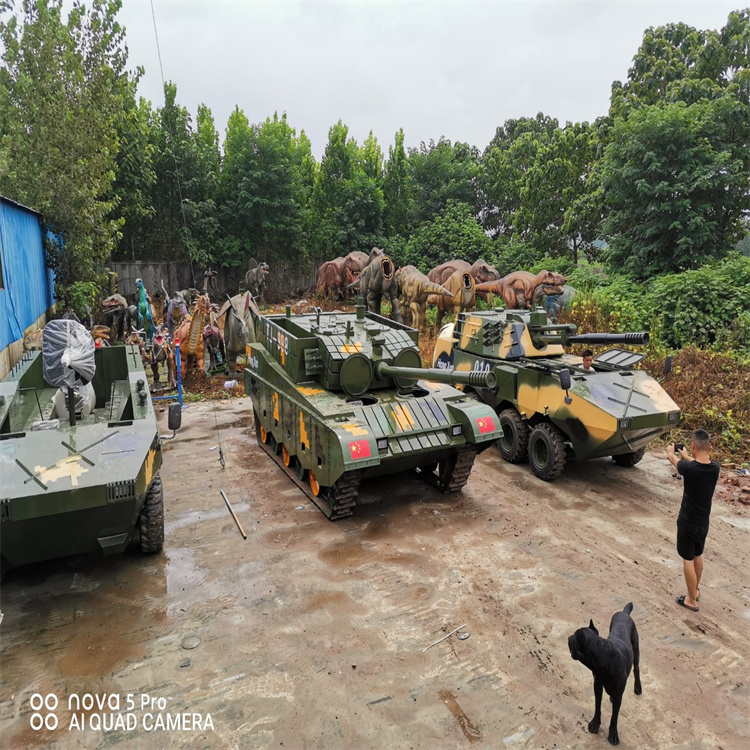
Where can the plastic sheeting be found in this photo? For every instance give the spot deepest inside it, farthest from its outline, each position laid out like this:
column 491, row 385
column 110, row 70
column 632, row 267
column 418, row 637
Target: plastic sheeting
column 67, row 353
column 27, row 288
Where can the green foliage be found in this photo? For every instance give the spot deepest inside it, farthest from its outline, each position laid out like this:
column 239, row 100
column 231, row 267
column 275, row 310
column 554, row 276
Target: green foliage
column 512, row 255
column 676, row 184
column 398, row 190
column 82, row 295
column 63, row 93
column 453, row 234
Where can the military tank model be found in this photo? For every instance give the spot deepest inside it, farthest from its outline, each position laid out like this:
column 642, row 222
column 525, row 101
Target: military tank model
column 548, row 404
column 338, row 397
column 79, row 451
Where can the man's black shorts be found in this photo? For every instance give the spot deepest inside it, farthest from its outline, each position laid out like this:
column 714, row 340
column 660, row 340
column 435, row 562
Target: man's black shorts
column 691, row 538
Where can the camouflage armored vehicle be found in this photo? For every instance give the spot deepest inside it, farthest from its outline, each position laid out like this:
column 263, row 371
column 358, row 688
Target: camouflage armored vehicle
column 548, row 405
column 342, row 396
column 79, row 451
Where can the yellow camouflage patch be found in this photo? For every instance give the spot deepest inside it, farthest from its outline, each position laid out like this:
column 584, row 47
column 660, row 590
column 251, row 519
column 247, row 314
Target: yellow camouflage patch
column 305, row 391
column 303, row 438
column 275, row 399
column 403, row 417
column 355, row 429
column 70, row 466
column 351, row 348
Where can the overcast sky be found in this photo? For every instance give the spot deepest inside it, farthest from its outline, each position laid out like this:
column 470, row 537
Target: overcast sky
column 453, row 69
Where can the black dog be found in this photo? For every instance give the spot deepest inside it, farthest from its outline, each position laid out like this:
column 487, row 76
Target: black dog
column 610, row 660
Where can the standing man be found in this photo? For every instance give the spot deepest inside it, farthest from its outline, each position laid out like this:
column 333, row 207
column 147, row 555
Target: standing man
column 700, row 476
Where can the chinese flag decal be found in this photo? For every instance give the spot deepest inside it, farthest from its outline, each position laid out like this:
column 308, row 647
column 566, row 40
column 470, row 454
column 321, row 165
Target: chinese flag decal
column 359, row 449
column 485, row 424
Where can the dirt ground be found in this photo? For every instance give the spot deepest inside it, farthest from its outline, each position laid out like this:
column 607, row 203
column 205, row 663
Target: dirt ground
column 312, row 635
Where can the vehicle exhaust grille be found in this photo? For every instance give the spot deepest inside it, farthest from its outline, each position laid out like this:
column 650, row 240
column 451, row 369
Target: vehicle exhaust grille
column 120, row 492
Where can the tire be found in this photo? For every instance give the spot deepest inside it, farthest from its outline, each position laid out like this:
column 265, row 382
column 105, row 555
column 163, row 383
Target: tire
column 152, row 518
column 514, row 442
column 629, row 459
column 546, row 451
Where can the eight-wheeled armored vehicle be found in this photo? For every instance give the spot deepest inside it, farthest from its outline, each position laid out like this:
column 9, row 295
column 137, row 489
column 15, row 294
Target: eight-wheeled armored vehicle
column 79, row 451
column 547, row 404
column 341, row 396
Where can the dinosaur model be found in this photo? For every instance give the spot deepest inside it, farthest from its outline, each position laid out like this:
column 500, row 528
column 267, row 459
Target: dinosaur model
column 523, row 289
column 115, row 310
column 209, row 281
column 237, row 329
column 145, row 317
column 213, row 344
column 176, row 311
column 157, row 351
column 255, row 278
column 415, row 289
column 378, row 278
column 480, row 270
column 335, row 277
column 190, row 335
column 462, row 286
column 100, row 334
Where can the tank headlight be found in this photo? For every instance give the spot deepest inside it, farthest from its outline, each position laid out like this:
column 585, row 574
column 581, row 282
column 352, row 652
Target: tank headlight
column 457, row 430
column 382, row 444
column 624, row 423
column 673, row 416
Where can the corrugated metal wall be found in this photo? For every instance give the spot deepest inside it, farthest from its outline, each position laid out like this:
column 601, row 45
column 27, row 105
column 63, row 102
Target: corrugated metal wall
column 28, row 285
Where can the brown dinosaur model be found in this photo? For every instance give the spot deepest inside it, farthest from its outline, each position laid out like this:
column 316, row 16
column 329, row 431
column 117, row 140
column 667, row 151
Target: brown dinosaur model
column 480, row 270
column 158, row 351
column 336, row 276
column 462, row 286
column 378, row 278
column 190, row 334
column 522, row 289
column 415, row 289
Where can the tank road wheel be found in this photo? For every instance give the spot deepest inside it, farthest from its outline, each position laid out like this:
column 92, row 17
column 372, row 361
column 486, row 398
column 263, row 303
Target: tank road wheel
column 453, row 472
column 546, row 451
column 514, row 442
column 152, row 517
column 629, row 459
column 314, row 485
column 285, row 455
column 263, row 434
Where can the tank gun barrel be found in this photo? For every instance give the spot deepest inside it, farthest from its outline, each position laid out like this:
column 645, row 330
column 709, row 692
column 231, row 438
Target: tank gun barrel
column 609, row 338
column 449, row 377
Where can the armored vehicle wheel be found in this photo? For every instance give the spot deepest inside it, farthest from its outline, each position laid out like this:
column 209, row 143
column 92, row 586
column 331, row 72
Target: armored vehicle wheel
column 514, row 442
column 286, row 457
column 546, row 451
column 152, row 517
column 338, row 500
column 629, row 459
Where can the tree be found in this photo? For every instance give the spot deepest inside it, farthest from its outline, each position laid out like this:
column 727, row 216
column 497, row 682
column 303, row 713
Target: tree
column 675, row 182
column 347, row 203
column 397, row 190
column 63, row 88
column 442, row 173
column 453, row 234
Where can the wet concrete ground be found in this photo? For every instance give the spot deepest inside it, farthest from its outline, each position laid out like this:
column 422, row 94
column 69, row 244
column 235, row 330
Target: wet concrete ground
column 311, row 634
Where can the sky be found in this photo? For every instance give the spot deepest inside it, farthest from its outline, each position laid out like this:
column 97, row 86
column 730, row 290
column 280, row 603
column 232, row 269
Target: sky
column 452, row 69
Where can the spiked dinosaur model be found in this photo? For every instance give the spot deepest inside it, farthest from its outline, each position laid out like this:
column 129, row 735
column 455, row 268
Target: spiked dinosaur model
column 378, row 278
column 415, row 289
column 145, row 318
column 522, row 290
column 158, row 351
column 462, row 286
column 190, row 335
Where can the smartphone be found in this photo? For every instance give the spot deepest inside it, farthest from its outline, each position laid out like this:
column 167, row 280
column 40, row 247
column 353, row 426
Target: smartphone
column 679, row 447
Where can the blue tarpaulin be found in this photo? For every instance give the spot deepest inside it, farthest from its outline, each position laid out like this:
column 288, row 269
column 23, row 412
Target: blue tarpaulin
column 27, row 285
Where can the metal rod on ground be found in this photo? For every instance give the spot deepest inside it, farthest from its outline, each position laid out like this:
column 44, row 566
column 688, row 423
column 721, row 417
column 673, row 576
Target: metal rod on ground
column 237, row 520
column 444, row 637
column 221, row 452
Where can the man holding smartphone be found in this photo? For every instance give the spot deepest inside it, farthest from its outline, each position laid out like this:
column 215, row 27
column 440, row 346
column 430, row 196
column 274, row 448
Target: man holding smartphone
column 700, row 475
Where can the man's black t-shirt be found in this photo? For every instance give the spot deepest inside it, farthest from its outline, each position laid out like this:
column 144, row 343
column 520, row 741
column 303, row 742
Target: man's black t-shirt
column 698, row 491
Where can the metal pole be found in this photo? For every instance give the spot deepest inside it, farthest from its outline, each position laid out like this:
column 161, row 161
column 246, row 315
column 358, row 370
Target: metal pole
column 179, row 370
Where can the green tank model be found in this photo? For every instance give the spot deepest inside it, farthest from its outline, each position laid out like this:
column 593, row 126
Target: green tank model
column 550, row 406
column 79, row 451
column 338, row 397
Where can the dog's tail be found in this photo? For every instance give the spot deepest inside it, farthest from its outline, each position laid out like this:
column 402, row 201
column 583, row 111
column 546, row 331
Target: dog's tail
column 628, row 608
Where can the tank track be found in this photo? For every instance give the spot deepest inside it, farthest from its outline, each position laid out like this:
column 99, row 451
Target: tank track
column 335, row 502
column 452, row 475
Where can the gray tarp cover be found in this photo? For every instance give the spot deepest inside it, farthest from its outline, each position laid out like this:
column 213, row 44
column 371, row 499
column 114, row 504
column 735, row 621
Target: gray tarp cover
column 67, row 353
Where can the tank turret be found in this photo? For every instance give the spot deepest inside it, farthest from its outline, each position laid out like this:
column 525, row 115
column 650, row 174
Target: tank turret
column 341, row 396
column 546, row 400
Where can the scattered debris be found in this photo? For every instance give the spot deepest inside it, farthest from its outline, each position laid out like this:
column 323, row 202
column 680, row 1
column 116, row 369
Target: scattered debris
column 231, row 510
column 380, row 700
column 463, row 636
column 191, row 642
column 184, row 664
column 444, row 637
